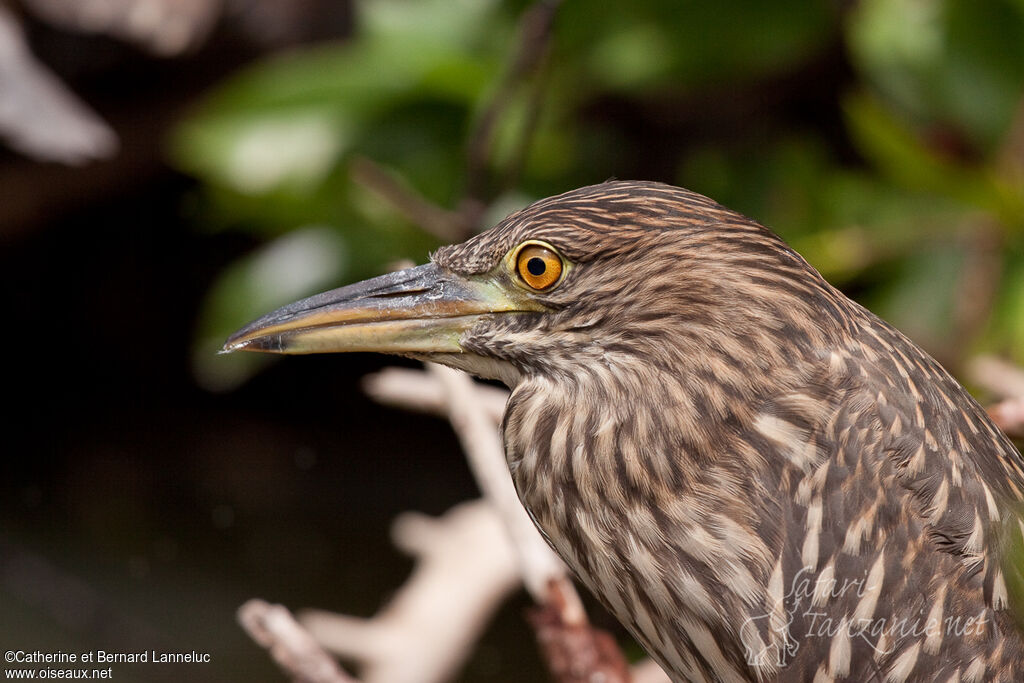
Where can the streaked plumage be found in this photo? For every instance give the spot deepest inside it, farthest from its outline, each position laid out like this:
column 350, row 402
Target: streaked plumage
column 759, row 478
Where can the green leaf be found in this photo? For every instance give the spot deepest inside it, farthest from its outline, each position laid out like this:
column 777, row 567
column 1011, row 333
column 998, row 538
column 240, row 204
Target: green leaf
column 920, row 297
column 898, row 153
column 951, row 63
column 1006, row 332
column 254, row 154
column 285, row 123
column 646, row 44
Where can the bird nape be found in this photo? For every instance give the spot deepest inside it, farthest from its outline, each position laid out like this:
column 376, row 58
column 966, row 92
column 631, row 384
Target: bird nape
column 761, row 479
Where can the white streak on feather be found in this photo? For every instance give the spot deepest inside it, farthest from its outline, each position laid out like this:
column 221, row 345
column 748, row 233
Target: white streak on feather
column 809, row 553
column 934, row 628
column 939, row 501
column 694, row 594
column 871, row 591
column 916, row 463
column 705, row 643
column 904, row 664
column 1000, row 596
column 976, row 541
column 789, row 436
column 824, row 585
column 976, row 671
column 990, row 501
column 839, row 651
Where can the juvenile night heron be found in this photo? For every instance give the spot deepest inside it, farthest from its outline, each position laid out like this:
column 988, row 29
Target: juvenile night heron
column 758, row 477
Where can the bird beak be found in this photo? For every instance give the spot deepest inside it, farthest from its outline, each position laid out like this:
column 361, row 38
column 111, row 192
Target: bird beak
column 420, row 310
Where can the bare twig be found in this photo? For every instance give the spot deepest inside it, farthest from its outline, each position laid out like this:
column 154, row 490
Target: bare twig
column 1009, row 416
column 997, row 376
column 465, row 568
column 575, row 653
column 446, row 225
column 538, row 31
column 542, row 569
column 530, row 57
column 528, row 62
column 648, row 671
column 165, row 27
column 980, row 277
column 574, row 650
column 39, row 116
column 417, row 391
column 291, row 646
column 1006, row 381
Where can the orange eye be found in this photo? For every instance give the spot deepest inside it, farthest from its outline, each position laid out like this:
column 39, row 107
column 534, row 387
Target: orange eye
column 539, row 266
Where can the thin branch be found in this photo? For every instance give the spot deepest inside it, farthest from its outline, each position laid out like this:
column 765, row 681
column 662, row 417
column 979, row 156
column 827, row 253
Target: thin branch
column 39, row 116
column 465, row 568
column 980, row 278
column 531, row 54
column 648, row 671
column 528, row 62
column 542, row 21
column 573, row 649
column 1006, row 381
column 577, row 653
column 164, row 27
column 997, row 376
column 291, row 646
column 417, row 391
column 1009, row 416
column 542, row 569
column 448, row 226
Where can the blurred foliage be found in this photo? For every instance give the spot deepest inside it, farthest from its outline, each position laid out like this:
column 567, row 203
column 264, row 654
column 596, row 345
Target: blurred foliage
column 913, row 202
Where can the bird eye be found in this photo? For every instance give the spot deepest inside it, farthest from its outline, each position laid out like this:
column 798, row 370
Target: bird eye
column 538, row 265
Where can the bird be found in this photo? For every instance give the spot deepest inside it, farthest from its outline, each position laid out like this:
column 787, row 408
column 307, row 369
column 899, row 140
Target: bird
column 759, row 478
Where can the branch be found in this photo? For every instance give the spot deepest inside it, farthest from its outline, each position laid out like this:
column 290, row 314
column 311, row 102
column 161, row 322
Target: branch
column 448, row 226
column 997, row 376
column 648, row 671
column 528, row 60
column 1006, row 381
column 574, row 651
column 530, row 57
column 294, row 650
column 417, row 391
column 164, row 27
column 481, row 442
column 464, row 570
column 39, row 116
column 1009, row 416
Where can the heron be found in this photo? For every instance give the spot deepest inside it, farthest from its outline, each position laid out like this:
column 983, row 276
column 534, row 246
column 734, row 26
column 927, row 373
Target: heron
column 762, row 480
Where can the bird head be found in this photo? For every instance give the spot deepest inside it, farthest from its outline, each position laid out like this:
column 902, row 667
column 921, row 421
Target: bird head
column 616, row 274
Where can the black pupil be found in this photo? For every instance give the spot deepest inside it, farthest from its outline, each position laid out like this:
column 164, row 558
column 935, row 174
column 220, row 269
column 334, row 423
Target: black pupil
column 536, row 266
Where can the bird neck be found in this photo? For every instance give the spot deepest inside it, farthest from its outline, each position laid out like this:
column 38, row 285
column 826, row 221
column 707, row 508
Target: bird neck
column 632, row 494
